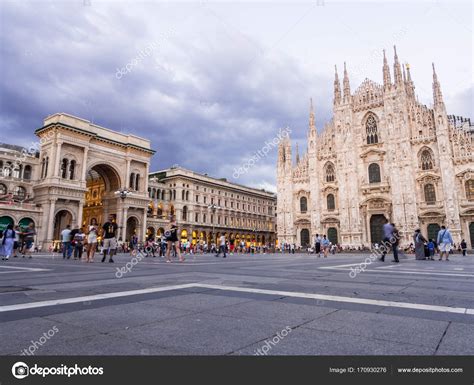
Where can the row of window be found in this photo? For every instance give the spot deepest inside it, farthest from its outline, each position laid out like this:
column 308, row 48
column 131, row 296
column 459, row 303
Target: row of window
column 330, row 203
column 232, row 221
column 160, row 194
column 426, row 162
column 19, row 171
column 18, row 193
column 428, row 190
column 134, row 181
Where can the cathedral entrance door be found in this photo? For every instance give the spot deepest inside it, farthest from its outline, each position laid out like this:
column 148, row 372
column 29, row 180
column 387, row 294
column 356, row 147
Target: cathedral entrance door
column 471, row 232
column 376, row 228
column 304, row 237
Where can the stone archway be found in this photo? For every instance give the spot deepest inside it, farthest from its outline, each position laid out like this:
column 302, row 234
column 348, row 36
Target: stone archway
column 102, row 181
column 132, row 228
column 61, row 220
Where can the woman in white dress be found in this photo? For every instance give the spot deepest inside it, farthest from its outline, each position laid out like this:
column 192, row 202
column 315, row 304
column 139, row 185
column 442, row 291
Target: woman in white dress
column 8, row 241
column 92, row 240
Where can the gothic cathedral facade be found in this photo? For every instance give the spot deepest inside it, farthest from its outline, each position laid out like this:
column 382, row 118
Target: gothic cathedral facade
column 383, row 156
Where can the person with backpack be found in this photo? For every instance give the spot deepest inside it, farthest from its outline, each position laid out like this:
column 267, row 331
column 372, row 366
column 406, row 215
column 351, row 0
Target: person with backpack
column 8, row 241
column 79, row 239
column 445, row 242
column 463, row 247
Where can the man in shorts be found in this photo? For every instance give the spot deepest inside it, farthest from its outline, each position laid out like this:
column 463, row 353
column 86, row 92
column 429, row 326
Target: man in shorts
column 29, row 238
column 109, row 238
column 445, row 242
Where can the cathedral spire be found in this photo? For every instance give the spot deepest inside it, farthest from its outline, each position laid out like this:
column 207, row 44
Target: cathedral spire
column 337, row 88
column 437, row 95
column 297, row 154
column 346, row 86
column 404, row 74
column 387, row 81
column 397, row 73
column 410, row 87
column 311, row 114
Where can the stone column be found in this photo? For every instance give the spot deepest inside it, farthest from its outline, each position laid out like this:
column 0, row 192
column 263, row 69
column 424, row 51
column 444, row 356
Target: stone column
column 80, row 209
column 57, row 159
column 127, row 175
column 144, row 224
column 124, row 223
column 84, row 164
column 49, row 224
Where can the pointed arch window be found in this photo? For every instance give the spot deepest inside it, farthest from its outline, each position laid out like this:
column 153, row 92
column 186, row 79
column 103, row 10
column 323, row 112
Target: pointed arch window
column 330, row 173
column 430, row 194
column 426, row 160
column 372, row 130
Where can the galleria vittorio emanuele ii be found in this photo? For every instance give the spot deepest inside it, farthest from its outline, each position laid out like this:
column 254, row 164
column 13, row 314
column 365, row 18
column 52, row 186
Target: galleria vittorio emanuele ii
column 383, row 156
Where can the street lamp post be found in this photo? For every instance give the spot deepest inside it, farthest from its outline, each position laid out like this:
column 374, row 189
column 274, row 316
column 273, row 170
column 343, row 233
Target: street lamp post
column 213, row 208
column 123, row 193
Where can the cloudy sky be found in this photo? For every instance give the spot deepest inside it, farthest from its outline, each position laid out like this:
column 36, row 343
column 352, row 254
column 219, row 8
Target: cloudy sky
column 209, row 82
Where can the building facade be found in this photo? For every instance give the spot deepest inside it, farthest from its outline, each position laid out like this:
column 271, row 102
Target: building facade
column 206, row 208
column 384, row 155
column 74, row 173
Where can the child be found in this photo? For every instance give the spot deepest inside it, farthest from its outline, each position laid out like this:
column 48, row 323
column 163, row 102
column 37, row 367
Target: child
column 431, row 249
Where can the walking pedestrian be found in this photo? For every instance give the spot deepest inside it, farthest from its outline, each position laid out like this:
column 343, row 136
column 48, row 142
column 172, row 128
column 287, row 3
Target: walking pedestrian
column 66, row 241
column 431, row 249
column 325, row 245
column 394, row 241
column 109, row 239
column 463, row 247
column 8, row 241
column 445, row 242
column 28, row 238
column 317, row 245
column 172, row 241
column 17, row 243
column 222, row 246
column 79, row 238
column 387, row 235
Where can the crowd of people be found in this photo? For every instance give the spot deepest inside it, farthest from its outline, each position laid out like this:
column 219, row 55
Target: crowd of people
column 82, row 245
column 15, row 241
column 75, row 243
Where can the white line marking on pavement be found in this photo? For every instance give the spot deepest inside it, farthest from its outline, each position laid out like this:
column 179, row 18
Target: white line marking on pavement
column 335, row 298
column 339, row 266
column 21, row 268
column 324, row 297
column 95, row 297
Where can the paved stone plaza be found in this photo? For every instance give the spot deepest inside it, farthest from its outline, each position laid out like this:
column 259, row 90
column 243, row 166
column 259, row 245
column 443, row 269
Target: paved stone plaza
column 274, row 304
